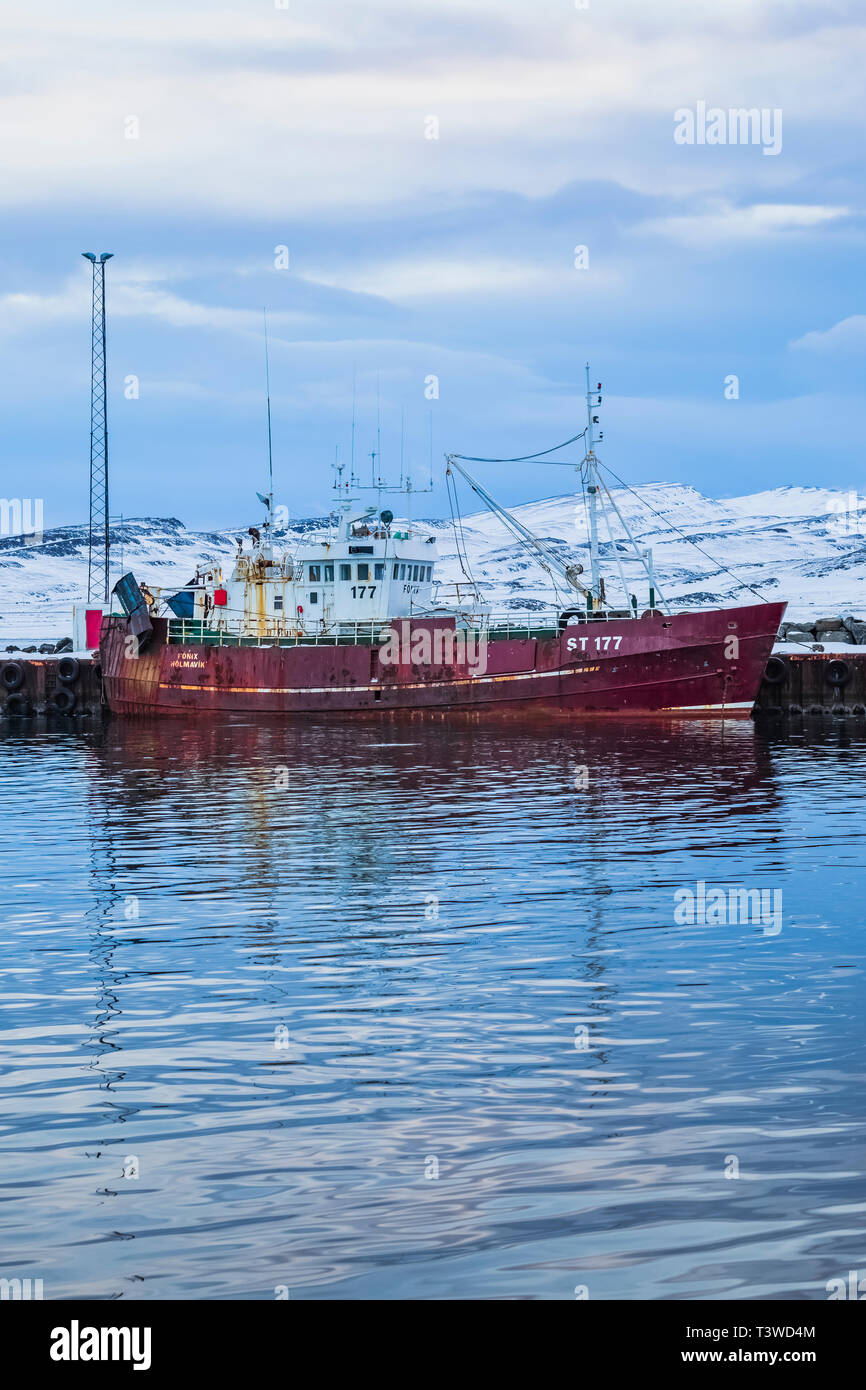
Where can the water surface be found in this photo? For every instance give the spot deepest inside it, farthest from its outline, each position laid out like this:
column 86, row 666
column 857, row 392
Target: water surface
column 395, row 1010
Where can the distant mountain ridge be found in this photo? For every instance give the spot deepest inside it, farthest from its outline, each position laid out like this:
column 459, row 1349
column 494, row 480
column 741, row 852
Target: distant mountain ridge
column 806, row 545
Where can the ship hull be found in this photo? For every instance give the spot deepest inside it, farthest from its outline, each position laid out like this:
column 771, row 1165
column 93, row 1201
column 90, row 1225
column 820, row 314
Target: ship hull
column 691, row 663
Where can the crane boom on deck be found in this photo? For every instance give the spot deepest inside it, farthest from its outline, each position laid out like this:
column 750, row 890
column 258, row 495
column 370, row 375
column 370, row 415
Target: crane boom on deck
column 549, row 559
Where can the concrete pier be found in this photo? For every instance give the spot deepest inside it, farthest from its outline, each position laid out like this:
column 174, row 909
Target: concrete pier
column 65, row 684
column 813, row 684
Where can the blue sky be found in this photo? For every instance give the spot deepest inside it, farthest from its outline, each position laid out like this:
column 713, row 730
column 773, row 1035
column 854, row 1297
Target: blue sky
column 306, row 127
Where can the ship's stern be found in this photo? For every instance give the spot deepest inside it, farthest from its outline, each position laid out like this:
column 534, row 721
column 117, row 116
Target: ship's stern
column 130, row 668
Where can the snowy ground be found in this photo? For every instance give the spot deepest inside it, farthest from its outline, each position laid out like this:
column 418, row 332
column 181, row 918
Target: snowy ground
column 794, row 544
column 835, row 648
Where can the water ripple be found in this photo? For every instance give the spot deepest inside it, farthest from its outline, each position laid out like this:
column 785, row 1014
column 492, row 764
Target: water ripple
column 397, row 1014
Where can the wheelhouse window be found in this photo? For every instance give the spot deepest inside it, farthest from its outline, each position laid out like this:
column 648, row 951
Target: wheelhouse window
column 414, row 574
column 329, row 574
column 378, row 571
column 396, row 570
column 345, row 571
column 363, row 572
column 315, row 574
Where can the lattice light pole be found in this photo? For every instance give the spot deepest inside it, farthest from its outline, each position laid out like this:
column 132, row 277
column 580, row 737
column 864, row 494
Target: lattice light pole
column 98, row 536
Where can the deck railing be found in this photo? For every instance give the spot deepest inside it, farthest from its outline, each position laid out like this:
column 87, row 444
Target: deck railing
column 185, row 630
column 493, row 628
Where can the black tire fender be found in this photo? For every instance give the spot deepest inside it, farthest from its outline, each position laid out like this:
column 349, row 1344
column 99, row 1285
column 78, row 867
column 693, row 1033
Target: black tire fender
column 777, row 671
column 68, row 669
column 18, row 706
column 837, row 673
column 64, row 700
column 13, row 675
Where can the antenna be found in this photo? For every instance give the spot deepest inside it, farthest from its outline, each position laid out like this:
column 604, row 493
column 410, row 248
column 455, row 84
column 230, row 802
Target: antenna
column 378, row 484
column 338, row 467
column 270, row 444
column 378, row 430
column 352, row 459
column 98, row 428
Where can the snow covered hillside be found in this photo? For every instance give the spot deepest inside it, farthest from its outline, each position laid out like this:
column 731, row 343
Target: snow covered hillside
column 799, row 544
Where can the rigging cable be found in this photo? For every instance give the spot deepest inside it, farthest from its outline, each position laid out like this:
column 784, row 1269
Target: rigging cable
column 457, row 523
column 503, row 517
column 528, row 458
column 524, row 458
column 693, row 542
column 641, row 555
column 615, row 549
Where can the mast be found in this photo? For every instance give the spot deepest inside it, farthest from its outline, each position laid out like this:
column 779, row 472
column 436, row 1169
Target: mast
column 270, row 445
column 592, row 490
column 352, row 454
column 378, row 432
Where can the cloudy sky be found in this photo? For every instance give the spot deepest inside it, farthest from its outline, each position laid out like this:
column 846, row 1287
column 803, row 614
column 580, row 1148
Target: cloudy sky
column 431, row 167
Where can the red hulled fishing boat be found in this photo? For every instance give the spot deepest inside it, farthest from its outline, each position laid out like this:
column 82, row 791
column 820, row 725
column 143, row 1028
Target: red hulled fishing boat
column 351, row 624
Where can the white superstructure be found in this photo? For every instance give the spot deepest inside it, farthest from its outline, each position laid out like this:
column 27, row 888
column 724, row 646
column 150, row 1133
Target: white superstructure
column 372, row 569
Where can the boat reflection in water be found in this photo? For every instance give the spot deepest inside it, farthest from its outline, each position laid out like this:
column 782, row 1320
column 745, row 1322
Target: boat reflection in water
column 401, row 1011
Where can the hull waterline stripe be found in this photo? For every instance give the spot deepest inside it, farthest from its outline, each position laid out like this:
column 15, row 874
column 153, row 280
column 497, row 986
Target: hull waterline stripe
column 734, row 705
column 441, row 685
column 349, row 689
